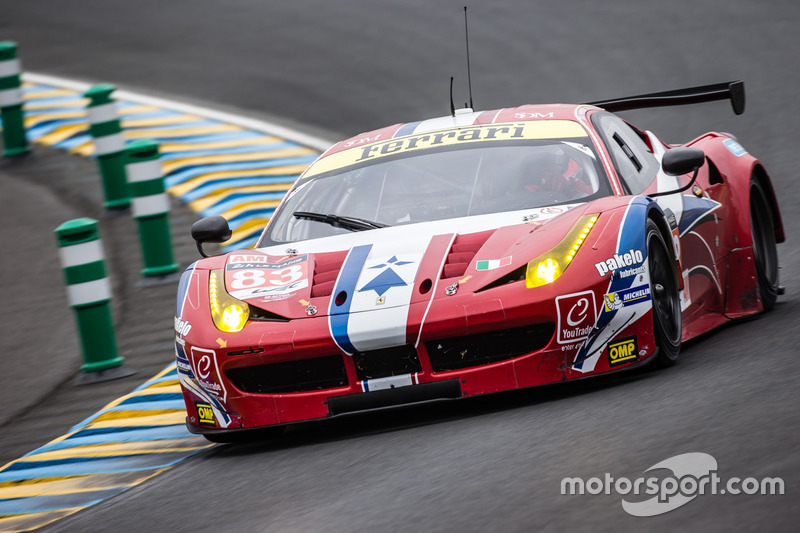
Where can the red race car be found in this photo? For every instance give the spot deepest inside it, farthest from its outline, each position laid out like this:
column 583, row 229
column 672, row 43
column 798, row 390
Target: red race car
column 476, row 253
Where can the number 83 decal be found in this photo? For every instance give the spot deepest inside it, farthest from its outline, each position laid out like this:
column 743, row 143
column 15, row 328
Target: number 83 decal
column 250, row 279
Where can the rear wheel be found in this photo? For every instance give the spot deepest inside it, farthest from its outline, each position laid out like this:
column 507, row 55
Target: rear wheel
column 765, row 249
column 664, row 294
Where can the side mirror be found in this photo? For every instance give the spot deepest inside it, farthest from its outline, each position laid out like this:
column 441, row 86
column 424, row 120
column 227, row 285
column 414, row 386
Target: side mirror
column 210, row 229
column 682, row 160
column 679, row 161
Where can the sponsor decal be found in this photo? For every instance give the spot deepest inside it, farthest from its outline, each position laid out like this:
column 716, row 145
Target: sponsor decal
column 492, row 264
column 618, row 261
column 181, row 361
column 734, row 147
column 525, row 116
column 182, row 327
column 362, row 140
column 623, row 351
column 247, row 278
column 549, row 129
column 620, row 299
column 205, row 414
column 204, row 366
column 577, row 314
column 242, row 261
column 620, row 274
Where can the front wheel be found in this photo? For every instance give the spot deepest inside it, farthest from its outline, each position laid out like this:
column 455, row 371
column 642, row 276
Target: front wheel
column 664, row 293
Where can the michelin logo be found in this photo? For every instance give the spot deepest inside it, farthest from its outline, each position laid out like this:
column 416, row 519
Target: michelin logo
column 618, row 261
column 617, row 300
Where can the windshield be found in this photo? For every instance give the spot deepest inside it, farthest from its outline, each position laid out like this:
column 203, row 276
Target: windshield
column 439, row 183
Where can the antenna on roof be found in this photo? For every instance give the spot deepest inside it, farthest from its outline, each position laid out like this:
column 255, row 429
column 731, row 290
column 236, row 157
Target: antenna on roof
column 469, row 74
column 452, row 105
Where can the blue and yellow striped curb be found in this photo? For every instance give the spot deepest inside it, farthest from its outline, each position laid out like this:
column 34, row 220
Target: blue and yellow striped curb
column 214, row 166
column 132, row 439
column 218, row 164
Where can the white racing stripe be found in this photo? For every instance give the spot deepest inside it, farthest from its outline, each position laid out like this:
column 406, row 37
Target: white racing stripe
column 391, row 382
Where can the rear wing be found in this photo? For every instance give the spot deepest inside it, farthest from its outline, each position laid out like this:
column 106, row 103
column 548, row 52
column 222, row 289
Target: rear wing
column 733, row 90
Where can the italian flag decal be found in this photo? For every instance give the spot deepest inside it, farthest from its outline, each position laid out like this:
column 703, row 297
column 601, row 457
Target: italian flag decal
column 491, row 264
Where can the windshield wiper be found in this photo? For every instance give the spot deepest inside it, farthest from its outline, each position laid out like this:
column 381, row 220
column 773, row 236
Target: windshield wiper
column 341, row 221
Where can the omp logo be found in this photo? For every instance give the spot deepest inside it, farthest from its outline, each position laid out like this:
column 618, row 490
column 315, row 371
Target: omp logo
column 205, row 414
column 618, row 261
column 576, row 316
column 622, row 351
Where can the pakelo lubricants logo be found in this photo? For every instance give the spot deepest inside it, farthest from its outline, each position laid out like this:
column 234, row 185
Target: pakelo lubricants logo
column 688, row 476
column 618, row 261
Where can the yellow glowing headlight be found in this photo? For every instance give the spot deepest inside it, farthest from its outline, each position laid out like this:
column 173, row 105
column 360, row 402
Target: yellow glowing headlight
column 549, row 266
column 228, row 313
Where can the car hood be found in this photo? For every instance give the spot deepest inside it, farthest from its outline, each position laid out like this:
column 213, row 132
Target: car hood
column 391, row 268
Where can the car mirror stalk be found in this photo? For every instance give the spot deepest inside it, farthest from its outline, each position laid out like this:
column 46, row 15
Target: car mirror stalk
column 210, row 229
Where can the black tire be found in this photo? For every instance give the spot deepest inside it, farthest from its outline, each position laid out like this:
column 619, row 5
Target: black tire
column 664, row 294
column 765, row 249
column 252, row 435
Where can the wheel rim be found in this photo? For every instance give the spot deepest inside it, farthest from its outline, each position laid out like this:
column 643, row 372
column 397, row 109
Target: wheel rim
column 664, row 293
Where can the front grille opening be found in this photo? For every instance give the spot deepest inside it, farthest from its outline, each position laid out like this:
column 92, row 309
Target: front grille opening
column 256, row 313
column 462, row 252
column 512, row 277
column 485, row 348
column 386, row 362
column 326, row 270
column 291, row 376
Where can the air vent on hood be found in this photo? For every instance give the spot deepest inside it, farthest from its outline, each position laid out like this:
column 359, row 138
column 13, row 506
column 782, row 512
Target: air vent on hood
column 326, row 269
column 463, row 252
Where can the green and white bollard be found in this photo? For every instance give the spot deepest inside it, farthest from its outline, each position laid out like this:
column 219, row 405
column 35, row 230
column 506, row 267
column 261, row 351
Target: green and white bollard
column 150, row 208
column 14, row 139
column 89, row 294
column 109, row 145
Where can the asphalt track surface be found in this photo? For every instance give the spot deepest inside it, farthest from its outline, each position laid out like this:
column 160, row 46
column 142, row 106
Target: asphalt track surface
column 493, row 463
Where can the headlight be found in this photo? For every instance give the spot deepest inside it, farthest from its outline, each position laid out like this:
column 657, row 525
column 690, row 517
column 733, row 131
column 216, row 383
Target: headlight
column 549, row 266
column 228, row 313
